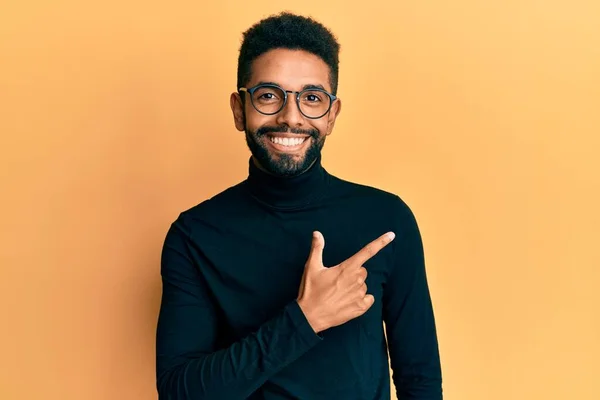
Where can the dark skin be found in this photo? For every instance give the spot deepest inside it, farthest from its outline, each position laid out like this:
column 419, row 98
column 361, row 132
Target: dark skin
column 328, row 296
column 292, row 70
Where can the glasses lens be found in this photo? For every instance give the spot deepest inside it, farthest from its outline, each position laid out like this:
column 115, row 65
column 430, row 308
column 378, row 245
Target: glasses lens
column 268, row 99
column 314, row 103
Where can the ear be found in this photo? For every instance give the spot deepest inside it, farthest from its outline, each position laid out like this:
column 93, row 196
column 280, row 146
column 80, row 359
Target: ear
column 237, row 108
column 336, row 108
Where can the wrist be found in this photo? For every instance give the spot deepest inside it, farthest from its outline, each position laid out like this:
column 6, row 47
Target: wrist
column 310, row 317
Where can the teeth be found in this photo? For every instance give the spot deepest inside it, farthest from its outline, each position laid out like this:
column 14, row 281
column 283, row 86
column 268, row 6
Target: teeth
column 288, row 141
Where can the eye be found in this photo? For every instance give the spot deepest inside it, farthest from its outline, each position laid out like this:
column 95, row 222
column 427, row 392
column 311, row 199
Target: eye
column 312, row 97
column 268, row 94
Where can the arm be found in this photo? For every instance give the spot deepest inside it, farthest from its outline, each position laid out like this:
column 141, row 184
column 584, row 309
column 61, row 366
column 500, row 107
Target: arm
column 188, row 363
column 409, row 318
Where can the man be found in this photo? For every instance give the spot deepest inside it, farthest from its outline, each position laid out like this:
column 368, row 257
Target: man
column 255, row 305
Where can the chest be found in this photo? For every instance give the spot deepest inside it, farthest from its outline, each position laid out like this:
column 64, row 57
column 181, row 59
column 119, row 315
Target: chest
column 254, row 268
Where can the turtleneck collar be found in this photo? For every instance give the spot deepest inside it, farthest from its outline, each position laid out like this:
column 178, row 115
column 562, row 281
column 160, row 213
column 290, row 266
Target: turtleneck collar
column 287, row 192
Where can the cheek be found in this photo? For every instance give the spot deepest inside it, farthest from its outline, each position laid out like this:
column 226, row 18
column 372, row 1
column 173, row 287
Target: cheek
column 255, row 120
column 321, row 126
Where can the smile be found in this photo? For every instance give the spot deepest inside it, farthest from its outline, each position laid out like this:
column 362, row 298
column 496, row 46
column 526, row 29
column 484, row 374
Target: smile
column 288, row 142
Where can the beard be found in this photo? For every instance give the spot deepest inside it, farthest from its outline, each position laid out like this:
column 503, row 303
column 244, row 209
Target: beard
column 282, row 164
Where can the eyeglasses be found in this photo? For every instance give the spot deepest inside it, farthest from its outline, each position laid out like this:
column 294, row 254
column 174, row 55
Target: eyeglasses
column 269, row 99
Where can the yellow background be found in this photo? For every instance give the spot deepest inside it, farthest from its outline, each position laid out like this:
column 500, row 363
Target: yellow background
column 483, row 115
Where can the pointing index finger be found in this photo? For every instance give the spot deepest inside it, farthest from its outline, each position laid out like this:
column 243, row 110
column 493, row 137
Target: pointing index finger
column 369, row 251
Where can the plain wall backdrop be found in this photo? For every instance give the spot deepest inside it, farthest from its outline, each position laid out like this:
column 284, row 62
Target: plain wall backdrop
column 484, row 116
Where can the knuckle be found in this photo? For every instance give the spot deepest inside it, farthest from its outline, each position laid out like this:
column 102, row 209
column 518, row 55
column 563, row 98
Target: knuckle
column 370, row 250
column 363, row 305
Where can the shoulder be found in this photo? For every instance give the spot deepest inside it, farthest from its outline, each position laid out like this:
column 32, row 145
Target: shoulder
column 380, row 207
column 376, row 197
column 210, row 211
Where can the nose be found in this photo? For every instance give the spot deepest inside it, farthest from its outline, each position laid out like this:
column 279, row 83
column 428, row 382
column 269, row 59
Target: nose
column 290, row 115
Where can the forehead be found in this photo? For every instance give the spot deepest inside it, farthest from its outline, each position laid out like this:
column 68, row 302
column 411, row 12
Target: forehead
column 292, row 69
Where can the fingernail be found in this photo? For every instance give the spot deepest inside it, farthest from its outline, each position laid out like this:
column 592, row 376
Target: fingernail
column 391, row 235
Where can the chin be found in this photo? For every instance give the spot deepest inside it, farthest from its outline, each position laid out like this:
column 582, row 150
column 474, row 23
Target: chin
column 284, row 164
column 280, row 163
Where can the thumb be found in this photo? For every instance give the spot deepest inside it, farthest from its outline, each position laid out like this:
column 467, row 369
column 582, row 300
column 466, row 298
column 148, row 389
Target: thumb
column 315, row 259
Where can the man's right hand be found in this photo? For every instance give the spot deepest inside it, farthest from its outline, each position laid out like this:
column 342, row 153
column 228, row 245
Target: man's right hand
column 332, row 296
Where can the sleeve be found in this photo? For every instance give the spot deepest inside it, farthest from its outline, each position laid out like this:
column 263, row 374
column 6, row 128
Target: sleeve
column 188, row 363
column 409, row 317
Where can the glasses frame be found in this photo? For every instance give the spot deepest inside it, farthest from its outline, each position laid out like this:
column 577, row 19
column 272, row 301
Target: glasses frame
column 251, row 91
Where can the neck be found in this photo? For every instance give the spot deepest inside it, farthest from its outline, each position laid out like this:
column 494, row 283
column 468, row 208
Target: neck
column 289, row 192
column 263, row 169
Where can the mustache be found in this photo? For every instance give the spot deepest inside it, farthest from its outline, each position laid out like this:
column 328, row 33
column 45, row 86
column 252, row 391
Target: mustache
column 263, row 130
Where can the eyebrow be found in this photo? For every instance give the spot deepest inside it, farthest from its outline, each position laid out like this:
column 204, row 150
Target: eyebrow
column 307, row 86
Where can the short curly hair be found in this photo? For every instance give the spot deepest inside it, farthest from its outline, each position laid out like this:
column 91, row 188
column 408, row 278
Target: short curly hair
column 288, row 31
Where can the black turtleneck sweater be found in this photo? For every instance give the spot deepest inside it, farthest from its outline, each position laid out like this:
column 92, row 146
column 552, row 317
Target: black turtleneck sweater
column 230, row 327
